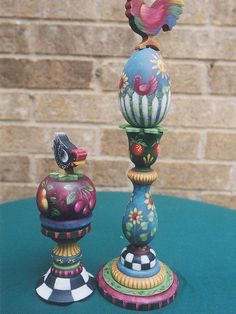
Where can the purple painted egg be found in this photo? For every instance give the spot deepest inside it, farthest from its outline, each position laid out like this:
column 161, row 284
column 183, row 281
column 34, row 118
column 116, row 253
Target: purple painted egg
column 66, row 197
column 145, row 94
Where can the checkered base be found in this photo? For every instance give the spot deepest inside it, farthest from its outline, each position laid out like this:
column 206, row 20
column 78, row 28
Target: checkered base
column 138, row 262
column 65, row 290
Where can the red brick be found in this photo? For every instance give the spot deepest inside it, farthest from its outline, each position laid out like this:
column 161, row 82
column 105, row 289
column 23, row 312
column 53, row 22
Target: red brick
column 202, row 112
column 93, row 108
column 36, row 139
column 14, row 38
column 15, row 106
column 23, row 73
column 223, row 78
column 59, row 9
column 224, row 12
column 194, row 176
column 15, row 169
column 221, row 146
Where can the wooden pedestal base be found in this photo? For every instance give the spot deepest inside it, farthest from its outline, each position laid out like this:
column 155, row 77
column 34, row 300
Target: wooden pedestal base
column 137, row 299
column 61, row 290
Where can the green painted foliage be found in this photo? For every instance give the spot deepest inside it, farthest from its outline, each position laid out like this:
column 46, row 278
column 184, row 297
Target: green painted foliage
column 143, row 237
column 53, row 200
column 48, row 187
column 128, row 234
column 88, row 188
column 151, row 216
column 70, row 198
column 55, row 212
column 144, row 226
column 153, row 231
column 129, row 226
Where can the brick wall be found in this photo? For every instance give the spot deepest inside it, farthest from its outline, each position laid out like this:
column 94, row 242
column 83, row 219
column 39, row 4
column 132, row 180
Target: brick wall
column 60, row 63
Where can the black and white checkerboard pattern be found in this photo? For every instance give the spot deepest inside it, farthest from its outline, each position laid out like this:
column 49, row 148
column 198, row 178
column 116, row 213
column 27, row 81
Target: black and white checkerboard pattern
column 65, row 290
column 138, row 262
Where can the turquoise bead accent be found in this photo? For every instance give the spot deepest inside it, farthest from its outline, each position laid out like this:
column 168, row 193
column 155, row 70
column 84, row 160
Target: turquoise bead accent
column 139, row 274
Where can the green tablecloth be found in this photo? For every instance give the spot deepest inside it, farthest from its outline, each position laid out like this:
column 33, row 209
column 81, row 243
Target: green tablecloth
column 195, row 239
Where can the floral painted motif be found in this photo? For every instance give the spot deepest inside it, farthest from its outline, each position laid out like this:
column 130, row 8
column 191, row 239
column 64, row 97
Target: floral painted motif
column 140, row 219
column 123, row 82
column 160, row 66
column 149, row 202
column 136, row 216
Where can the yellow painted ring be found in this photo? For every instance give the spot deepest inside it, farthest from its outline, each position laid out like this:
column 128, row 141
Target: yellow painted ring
column 142, row 177
column 138, row 283
column 67, row 250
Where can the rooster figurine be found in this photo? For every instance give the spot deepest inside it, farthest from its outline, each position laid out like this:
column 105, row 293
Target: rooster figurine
column 67, row 155
column 147, row 21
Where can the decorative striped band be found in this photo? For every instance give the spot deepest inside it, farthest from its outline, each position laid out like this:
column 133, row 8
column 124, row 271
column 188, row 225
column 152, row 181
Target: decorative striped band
column 71, row 235
column 138, row 283
column 67, row 249
column 139, row 274
column 142, row 177
column 66, row 273
column 144, row 111
column 68, row 267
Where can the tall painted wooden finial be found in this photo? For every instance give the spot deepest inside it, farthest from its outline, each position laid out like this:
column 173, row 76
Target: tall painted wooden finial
column 137, row 279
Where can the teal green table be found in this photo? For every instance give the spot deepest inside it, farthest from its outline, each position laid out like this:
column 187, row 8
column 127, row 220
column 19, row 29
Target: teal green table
column 195, row 239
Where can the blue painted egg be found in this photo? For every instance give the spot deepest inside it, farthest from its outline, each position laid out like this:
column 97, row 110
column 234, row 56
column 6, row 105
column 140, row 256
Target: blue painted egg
column 145, row 94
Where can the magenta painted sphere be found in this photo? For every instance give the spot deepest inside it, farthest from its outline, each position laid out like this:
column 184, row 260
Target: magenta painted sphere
column 61, row 199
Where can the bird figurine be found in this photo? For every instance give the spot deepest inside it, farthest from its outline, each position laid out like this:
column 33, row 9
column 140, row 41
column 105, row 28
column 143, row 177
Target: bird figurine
column 67, row 155
column 147, row 21
column 145, row 89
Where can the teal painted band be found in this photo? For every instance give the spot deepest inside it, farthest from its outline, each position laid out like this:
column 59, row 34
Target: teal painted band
column 139, row 274
column 66, row 267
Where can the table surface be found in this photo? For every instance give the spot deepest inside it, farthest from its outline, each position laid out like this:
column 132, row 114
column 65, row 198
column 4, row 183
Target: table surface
column 197, row 240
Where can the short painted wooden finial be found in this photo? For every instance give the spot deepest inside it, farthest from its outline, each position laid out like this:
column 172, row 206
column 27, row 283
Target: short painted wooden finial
column 66, row 200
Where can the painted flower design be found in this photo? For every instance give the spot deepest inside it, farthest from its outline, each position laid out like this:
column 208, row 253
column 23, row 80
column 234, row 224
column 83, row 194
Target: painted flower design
column 136, row 216
column 149, row 202
column 160, row 66
column 123, row 82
